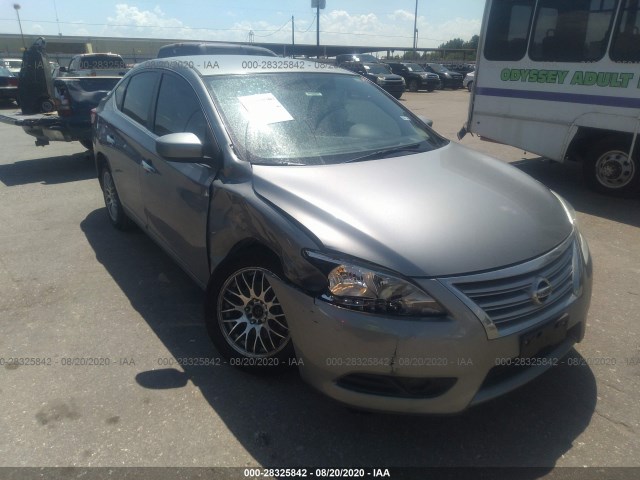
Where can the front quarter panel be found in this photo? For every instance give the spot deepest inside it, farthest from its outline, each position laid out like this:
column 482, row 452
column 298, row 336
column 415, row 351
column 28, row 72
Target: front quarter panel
column 238, row 217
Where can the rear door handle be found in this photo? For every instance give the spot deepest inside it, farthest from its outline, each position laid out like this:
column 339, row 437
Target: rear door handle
column 148, row 166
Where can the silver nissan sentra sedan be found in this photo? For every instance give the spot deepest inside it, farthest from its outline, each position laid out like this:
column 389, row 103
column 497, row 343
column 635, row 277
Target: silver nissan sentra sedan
column 334, row 231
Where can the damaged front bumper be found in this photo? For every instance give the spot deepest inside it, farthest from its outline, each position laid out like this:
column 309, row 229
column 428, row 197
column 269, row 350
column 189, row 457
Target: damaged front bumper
column 436, row 366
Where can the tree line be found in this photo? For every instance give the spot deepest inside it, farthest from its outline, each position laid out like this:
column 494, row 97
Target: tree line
column 443, row 55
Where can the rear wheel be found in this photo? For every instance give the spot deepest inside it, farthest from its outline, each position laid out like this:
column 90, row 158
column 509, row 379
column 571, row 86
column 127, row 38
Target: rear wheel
column 117, row 216
column 608, row 168
column 244, row 317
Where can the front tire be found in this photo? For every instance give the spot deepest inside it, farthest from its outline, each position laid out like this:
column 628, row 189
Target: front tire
column 117, row 216
column 244, row 317
column 608, row 168
column 413, row 85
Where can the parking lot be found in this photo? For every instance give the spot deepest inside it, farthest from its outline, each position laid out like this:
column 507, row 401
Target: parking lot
column 109, row 327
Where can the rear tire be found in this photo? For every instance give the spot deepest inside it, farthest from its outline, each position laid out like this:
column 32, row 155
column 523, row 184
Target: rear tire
column 244, row 317
column 115, row 212
column 608, row 168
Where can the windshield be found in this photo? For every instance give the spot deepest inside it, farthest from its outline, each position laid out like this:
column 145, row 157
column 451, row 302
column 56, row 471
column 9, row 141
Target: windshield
column 438, row 68
column 313, row 118
column 414, row 67
column 377, row 68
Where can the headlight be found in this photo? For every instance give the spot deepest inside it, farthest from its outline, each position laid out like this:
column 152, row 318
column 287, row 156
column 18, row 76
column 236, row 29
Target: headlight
column 362, row 288
column 424, row 75
column 381, row 81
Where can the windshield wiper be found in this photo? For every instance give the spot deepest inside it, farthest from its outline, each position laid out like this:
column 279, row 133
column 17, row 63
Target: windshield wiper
column 412, row 147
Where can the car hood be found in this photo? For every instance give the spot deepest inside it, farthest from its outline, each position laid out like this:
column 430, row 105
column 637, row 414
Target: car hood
column 445, row 212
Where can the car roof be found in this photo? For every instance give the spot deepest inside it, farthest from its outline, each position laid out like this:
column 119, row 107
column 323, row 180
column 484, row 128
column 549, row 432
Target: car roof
column 211, row 65
column 95, row 54
column 211, row 48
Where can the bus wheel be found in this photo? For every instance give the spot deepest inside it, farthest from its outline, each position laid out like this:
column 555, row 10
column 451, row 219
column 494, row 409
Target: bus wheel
column 608, row 168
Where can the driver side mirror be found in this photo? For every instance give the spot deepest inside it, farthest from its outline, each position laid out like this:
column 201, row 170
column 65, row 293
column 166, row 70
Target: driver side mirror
column 184, row 147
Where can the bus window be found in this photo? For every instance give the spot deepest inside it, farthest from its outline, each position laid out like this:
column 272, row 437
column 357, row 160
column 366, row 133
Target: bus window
column 572, row 30
column 508, row 29
column 626, row 42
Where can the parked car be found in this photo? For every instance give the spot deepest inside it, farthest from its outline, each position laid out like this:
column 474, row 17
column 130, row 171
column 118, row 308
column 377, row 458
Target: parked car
column 468, row 80
column 13, row 64
column 415, row 76
column 381, row 75
column 55, row 69
column 461, row 68
column 448, row 78
column 332, row 230
column 211, row 48
column 95, row 65
column 355, row 57
column 8, row 85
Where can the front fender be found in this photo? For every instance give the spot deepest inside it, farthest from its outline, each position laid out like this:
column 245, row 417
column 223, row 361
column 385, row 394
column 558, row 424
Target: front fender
column 239, row 217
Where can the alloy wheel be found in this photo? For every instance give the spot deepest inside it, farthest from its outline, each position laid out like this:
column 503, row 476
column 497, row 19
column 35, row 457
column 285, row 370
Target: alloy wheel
column 250, row 315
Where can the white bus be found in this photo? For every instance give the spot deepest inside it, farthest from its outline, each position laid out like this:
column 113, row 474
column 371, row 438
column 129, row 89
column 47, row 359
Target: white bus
column 561, row 79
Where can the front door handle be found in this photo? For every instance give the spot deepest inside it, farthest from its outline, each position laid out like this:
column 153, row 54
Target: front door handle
column 110, row 140
column 148, row 166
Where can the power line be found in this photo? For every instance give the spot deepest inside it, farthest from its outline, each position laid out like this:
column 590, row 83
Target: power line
column 272, row 32
column 310, row 25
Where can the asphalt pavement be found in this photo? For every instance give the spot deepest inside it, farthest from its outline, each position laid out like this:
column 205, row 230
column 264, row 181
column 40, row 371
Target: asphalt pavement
column 109, row 340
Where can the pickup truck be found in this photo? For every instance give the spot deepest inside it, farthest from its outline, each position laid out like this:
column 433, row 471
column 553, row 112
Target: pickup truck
column 95, row 65
column 74, row 99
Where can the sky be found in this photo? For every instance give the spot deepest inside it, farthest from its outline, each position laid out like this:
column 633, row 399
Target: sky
column 342, row 22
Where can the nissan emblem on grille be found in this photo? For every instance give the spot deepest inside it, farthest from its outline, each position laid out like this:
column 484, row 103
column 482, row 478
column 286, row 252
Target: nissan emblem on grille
column 541, row 290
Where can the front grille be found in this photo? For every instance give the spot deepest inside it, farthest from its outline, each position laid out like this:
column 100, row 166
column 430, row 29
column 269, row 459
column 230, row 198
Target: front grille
column 508, row 299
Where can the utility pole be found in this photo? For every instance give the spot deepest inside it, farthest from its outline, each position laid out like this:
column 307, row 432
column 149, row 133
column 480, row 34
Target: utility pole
column 318, row 4
column 57, row 21
column 17, row 7
column 293, row 37
column 415, row 31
